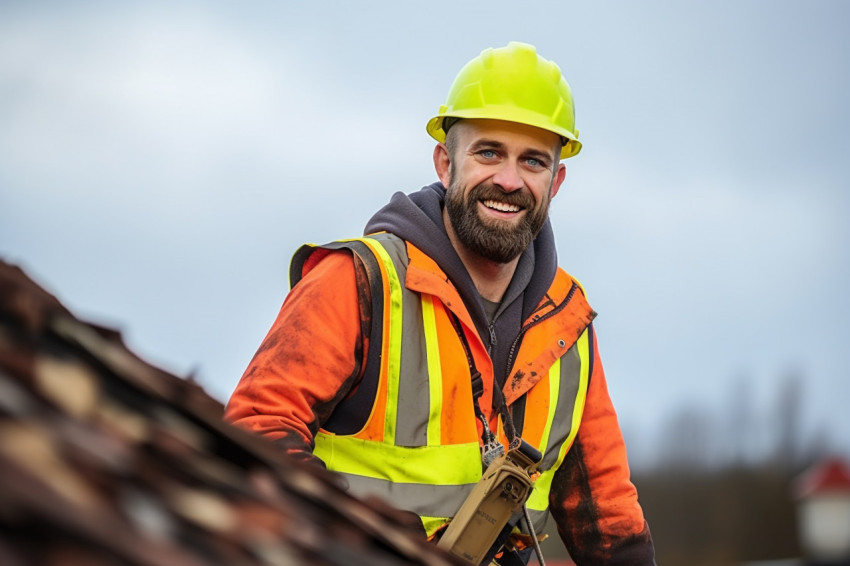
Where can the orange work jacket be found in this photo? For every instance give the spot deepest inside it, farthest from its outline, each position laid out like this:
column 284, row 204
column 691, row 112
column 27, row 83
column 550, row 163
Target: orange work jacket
column 421, row 450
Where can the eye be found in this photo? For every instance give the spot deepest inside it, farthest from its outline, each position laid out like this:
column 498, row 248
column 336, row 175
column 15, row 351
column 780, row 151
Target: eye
column 536, row 163
column 487, row 154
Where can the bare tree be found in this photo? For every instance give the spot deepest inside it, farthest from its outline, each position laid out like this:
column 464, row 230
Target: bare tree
column 788, row 422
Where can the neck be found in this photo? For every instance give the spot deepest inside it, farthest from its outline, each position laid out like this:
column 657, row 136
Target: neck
column 491, row 278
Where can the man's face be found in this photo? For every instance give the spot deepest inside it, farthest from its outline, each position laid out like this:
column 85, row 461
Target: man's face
column 500, row 181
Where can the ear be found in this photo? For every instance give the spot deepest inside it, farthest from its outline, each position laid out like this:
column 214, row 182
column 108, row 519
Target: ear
column 442, row 163
column 559, row 178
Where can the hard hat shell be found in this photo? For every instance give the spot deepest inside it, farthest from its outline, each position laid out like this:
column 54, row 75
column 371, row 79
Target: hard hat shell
column 516, row 84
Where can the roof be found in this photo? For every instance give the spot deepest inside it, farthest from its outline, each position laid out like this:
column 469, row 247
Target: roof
column 106, row 459
column 829, row 475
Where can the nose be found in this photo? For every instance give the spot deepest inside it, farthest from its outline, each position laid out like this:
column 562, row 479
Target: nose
column 508, row 177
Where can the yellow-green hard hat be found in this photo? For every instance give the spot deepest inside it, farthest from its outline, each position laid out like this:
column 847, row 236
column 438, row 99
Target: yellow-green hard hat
column 516, row 84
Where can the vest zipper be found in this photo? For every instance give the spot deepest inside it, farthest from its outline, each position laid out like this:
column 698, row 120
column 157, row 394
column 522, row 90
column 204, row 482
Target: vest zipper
column 492, row 329
column 525, row 328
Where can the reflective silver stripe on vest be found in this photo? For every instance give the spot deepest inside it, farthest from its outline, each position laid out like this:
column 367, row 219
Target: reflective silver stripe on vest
column 574, row 376
column 414, row 396
column 427, row 500
column 569, row 386
column 414, row 402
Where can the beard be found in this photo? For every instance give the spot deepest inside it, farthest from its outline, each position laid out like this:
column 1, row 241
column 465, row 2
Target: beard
column 497, row 241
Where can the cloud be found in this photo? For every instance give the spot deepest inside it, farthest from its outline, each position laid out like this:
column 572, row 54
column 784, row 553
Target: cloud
column 160, row 163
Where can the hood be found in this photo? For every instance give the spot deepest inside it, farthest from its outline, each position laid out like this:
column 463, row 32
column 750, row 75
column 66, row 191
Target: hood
column 418, row 218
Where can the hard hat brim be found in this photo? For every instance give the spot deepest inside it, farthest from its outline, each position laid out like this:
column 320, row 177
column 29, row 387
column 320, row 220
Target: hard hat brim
column 571, row 148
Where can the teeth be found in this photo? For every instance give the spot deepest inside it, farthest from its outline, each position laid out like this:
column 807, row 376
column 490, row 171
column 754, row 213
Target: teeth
column 501, row 206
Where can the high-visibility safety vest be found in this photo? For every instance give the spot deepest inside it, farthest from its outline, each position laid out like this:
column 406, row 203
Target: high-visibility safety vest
column 409, row 433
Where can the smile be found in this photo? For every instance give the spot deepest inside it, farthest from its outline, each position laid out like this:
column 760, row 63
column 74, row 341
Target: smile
column 501, row 206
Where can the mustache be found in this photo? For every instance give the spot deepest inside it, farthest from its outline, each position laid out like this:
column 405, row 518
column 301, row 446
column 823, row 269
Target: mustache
column 490, row 191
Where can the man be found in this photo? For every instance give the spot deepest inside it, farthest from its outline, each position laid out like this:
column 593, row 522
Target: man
column 399, row 357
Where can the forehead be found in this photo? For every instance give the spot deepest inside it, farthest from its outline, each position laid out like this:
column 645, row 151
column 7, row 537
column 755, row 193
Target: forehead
column 512, row 134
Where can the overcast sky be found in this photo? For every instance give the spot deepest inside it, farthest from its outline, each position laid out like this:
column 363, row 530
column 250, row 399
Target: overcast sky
column 161, row 161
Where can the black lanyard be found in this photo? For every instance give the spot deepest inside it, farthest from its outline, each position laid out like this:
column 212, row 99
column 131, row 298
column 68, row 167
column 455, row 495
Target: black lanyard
column 488, row 437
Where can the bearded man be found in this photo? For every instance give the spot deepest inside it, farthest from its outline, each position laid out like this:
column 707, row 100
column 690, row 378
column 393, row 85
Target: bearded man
column 403, row 360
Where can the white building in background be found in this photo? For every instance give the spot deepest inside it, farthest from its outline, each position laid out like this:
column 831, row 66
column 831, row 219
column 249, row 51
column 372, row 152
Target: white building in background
column 823, row 511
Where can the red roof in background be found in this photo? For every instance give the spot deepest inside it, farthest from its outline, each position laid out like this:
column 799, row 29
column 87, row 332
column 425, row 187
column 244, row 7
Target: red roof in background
column 829, row 475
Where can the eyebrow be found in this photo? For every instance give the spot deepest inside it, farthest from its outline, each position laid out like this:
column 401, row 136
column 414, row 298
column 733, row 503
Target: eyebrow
column 486, row 144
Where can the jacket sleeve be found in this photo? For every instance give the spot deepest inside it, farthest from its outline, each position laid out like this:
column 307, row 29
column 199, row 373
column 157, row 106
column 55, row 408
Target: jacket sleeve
column 308, row 362
column 592, row 499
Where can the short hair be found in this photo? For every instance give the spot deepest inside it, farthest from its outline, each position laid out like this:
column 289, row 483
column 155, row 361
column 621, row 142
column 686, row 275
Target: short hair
column 451, row 135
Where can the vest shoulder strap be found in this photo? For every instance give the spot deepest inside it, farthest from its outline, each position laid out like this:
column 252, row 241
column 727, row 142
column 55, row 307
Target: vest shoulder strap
column 372, row 255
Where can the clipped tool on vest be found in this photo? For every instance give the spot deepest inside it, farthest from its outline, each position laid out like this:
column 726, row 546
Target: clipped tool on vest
column 474, row 532
column 501, row 493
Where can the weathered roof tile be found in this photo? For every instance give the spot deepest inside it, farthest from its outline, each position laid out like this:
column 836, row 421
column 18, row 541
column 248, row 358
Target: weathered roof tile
column 106, row 459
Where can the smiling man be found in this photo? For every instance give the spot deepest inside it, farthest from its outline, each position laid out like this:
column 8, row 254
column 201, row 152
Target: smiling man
column 500, row 177
column 409, row 359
